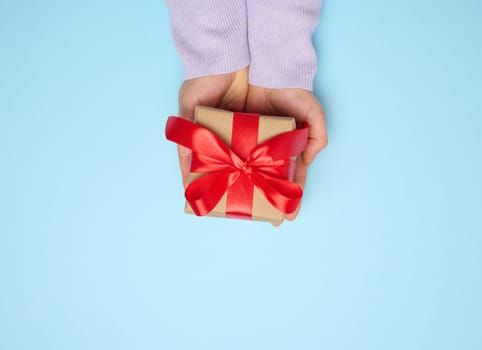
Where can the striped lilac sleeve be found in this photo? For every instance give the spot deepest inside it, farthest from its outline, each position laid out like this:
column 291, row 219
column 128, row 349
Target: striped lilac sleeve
column 279, row 32
column 210, row 35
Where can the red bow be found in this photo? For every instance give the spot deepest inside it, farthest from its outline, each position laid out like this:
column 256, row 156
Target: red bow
column 266, row 167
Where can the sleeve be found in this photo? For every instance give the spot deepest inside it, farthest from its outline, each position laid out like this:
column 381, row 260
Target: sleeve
column 282, row 53
column 210, row 35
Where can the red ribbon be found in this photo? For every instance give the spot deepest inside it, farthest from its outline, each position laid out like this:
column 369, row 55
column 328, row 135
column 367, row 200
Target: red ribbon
column 237, row 170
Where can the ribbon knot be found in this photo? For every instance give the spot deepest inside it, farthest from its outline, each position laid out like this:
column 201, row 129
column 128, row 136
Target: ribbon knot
column 265, row 167
column 245, row 168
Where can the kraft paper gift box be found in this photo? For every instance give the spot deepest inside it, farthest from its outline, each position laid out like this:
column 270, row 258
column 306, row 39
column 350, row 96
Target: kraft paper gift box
column 240, row 132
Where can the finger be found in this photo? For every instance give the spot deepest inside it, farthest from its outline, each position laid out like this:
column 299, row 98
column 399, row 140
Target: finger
column 301, row 172
column 184, row 163
column 196, row 92
column 186, row 106
column 317, row 135
column 187, row 102
column 305, row 108
column 277, row 223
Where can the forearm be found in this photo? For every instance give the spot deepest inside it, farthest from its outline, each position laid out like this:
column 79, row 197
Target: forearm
column 280, row 31
column 210, row 35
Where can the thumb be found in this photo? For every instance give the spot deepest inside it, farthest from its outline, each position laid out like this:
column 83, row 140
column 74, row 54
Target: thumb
column 317, row 135
column 187, row 100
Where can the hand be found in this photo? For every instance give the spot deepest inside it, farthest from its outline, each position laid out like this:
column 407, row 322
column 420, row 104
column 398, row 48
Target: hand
column 304, row 107
column 225, row 91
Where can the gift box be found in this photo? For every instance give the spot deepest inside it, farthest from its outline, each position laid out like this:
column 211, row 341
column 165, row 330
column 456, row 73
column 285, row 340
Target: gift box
column 242, row 163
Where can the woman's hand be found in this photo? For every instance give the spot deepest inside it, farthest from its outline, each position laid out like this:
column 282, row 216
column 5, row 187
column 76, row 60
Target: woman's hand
column 225, row 91
column 305, row 108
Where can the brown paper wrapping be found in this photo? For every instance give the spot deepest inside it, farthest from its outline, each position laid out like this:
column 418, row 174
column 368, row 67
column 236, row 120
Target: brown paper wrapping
column 220, row 122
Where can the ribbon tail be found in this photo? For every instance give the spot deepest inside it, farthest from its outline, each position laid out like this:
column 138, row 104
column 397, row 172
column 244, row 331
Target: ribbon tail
column 282, row 194
column 280, row 147
column 204, row 193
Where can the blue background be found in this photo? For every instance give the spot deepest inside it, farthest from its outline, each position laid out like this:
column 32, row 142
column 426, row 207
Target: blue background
column 96, row 252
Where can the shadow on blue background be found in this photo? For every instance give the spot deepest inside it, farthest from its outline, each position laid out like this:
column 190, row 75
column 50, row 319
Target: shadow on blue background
column 96, row 252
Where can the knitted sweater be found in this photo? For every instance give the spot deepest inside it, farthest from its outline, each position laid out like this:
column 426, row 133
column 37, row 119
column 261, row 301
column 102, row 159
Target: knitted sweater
column 273, row 37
